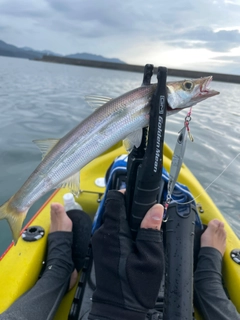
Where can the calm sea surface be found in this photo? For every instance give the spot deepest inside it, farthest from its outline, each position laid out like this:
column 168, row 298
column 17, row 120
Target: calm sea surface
column 43, row 100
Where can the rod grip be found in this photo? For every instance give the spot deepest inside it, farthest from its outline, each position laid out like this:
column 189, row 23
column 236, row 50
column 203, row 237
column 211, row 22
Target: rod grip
column 178, row 296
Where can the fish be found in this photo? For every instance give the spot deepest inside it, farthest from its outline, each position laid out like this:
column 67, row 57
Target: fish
column 113, row 120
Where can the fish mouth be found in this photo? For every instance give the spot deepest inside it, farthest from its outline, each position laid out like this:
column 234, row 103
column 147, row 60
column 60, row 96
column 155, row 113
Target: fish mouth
column 200, row 92
column 204, row 88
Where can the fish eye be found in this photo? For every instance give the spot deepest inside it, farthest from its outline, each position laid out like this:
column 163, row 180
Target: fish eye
column 188, row 85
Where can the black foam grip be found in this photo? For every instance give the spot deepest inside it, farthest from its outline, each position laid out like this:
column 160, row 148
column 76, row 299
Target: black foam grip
column 178, row 296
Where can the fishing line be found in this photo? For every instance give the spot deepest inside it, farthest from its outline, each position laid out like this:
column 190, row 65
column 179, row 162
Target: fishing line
column 183, row 203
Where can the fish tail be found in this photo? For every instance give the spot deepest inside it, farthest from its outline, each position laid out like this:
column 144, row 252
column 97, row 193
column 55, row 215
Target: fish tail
column 14, row 219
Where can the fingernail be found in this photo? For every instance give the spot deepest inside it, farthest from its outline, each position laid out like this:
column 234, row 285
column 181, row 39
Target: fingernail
column 156, row 213
column 155, row 217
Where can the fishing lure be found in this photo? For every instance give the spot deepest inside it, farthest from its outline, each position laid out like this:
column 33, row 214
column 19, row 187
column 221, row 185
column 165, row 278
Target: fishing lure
column 178, row 156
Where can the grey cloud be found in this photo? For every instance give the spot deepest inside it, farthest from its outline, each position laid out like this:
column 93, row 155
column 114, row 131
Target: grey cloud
column 229, row 59
column 114, row 15
column 83, row 29
column 27, row 9
column 176, row 23
column 221, row 41
column 127, row 18
column 89, row 19
column 95, row 19
column 4, row 28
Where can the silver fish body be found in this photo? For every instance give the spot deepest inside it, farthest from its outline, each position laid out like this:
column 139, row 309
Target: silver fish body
column 112, row 122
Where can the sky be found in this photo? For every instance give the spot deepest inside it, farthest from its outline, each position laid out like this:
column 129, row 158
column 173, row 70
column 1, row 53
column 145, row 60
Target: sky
column 184, row 34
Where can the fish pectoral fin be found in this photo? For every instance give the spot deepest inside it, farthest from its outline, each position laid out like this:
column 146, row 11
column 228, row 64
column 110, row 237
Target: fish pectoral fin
column 133, row 139
column 45, row 145
column 96, row 101
column 14, row 218
column 73, row 183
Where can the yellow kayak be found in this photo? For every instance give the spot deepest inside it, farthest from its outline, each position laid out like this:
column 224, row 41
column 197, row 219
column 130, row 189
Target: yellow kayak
column 20, row 265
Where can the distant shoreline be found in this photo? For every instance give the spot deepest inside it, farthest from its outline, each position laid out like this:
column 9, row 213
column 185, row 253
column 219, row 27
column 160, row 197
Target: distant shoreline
column 231, row 78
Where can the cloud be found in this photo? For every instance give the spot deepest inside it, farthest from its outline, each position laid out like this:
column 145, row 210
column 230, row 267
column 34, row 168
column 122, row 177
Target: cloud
column 4, row 28
column 229, row 59
column 96, row 19
column 26, row 9
column 182, row 23
column 131, row 30
column 203, row 37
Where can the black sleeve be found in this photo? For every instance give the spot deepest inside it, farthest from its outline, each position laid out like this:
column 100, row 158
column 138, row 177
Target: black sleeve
column 43, row 299
column 209, row 293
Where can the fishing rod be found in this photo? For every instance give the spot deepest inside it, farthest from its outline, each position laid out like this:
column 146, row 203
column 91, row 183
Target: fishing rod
column 144, row 169
column 144, row 189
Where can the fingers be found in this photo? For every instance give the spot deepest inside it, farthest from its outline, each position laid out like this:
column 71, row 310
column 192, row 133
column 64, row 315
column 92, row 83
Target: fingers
column 122, row 191
column 153, row 218
column 147, row 260
column 114, row 206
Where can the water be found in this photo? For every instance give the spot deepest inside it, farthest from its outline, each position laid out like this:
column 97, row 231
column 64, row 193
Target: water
column 43, row 100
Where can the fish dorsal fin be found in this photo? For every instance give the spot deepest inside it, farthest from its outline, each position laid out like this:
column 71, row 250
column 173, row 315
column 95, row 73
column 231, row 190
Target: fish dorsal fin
column 133, row 139
column 45, row 145
column 73, row 183
column 96, row 101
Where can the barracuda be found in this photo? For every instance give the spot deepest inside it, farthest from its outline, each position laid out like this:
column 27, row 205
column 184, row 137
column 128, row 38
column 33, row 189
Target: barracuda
column 117, row 119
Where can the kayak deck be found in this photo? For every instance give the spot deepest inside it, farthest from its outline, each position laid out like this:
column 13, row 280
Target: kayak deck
column 20, row 265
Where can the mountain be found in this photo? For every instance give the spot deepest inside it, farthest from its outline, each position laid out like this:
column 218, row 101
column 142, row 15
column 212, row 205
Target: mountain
column 89, row 56
column 26, row 48
column 51, row 53
column 43, row 52
column 9, row 50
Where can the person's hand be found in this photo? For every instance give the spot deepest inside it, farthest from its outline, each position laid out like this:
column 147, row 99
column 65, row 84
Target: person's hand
column 128, row 274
